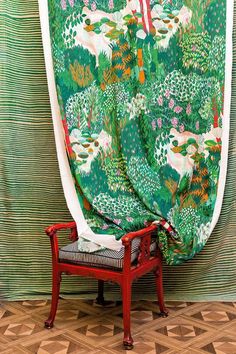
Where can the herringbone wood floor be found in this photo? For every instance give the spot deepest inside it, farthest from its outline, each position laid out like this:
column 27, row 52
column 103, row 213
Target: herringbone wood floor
column 83, row 327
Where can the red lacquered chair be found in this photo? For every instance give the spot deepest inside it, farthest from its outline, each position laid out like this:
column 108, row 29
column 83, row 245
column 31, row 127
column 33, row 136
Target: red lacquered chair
column 138, row 256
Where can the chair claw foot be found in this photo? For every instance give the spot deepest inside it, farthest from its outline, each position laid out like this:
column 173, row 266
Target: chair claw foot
column 128, row 346
column 48, row 324
column 128, row 342
column 164, row 313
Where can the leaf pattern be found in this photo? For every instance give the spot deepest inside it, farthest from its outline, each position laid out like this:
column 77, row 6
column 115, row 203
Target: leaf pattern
column 141, row 88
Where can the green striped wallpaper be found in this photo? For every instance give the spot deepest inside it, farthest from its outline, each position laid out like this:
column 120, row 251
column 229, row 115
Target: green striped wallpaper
column 31, row 195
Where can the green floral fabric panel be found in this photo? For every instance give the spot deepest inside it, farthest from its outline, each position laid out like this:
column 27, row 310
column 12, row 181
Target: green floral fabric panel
column 141, row 89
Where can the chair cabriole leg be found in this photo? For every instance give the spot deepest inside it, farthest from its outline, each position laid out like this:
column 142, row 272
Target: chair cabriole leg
column 126, row 303
column 160, row 291
column 55, row 296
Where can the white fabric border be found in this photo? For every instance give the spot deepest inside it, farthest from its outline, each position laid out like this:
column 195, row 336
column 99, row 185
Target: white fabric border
column 226, row 117
column 71, row 197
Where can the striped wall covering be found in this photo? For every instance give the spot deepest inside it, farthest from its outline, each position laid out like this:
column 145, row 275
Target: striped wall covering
column 31, row 195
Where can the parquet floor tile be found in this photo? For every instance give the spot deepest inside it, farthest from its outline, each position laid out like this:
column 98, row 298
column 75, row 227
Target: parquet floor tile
column 82, row 327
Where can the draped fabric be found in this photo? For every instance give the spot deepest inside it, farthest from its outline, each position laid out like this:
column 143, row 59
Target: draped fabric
column 144, row 101
column 31, row 195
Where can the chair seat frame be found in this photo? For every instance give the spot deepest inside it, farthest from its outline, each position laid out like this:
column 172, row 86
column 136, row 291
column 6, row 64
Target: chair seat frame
column 145, row 263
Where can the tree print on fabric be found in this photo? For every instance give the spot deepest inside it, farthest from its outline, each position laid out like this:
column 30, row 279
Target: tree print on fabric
column 141, row 91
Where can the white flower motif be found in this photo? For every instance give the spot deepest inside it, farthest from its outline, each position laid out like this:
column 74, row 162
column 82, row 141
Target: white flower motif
column 104, row 28
column 185, row 14
column 203, row 232
column 201, row 149
column 141, row 34
column 118, row 18
column 137, row 105
column 157, row 10
column 217, row 132
column 134, row 5
column 201, row 139
column 76, row 133
column 191, row 149
column 157, row 24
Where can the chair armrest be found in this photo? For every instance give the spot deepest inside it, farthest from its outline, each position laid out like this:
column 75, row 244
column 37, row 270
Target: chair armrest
column 52, row 230
column 128, row 238
column 144, row 247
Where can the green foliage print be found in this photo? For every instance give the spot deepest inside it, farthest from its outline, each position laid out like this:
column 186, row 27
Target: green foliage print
column 105, row 5
column 196, row 47
column 141, row 91
column 215, row 17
